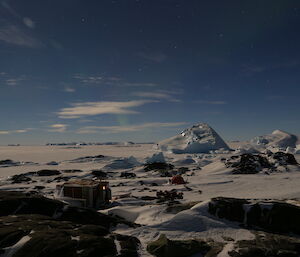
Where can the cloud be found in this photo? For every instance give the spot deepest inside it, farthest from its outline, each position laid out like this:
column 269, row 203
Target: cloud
column 69, row 90
column 110, row 81
column 154, row 56
column 11, row 34
column 29, row 22
column 210, row 102
column 21, row 131
column 13, row 81
column 129, row 128
column 95, row 108
column 6, row 132
column 157, row 95
column 58, row 128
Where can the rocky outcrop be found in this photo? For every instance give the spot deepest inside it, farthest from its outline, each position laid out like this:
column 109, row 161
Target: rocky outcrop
column 267, row 245
column 48, row 228
column 164, row 247
column 254, row 163
column 273, row 216
column 13, row 203
column 285, row 158
column 21, row 178
column 247, row 163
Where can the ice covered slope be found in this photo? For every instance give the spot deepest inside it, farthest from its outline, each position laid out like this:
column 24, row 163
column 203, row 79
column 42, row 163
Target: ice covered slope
column 200, row 138
column 278, row 139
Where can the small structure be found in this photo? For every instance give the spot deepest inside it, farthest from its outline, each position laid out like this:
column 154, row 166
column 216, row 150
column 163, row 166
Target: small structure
column 178, row 180
column 85, row 193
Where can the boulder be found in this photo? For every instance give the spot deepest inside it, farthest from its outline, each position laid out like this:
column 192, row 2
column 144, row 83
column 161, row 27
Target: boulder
column 99, row 174
column 164, row 247
column 125, row 174
column 7, row 162
column 48, row 172
column 52, row 163
column 21, row 178
column 156, row 166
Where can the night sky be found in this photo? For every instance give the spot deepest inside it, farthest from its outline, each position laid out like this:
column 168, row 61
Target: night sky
column 142, row 70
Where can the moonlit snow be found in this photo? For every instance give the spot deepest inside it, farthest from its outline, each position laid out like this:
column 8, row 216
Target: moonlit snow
column 194, row 153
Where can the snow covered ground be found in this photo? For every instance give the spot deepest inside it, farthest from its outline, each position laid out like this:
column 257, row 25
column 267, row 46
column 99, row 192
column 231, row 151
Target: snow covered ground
column 207, row 177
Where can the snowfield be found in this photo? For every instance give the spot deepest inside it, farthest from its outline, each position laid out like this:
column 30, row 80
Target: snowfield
column 206, row 175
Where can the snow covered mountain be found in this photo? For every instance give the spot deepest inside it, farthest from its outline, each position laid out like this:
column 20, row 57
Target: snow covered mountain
column 278, row 139
column 200, row 138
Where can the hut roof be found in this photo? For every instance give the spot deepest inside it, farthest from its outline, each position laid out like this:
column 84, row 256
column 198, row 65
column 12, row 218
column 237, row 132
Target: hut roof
column 85, row 183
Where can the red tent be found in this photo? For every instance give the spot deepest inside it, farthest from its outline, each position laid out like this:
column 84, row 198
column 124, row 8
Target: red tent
column 178, row 180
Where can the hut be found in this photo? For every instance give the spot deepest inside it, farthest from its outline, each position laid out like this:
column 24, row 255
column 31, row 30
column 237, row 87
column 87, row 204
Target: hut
column 85, row 192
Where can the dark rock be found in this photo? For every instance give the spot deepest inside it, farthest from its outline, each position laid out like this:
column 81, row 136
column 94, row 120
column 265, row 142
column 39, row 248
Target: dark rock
column 267, row 245
column 53, row 163
column 61, row 178
column 72, row 171
column 21, row 178
column 164, row 247
column 169, row 195
column 125, row 174
column 228, row 208
column 158, row 166
column 48, row 172
column 129, row 245
column 275, row 216
column 88, row 159
column 183, row 170
column 7, row 162
column 165, row 173
column 247, row 163
column 285, row 158
column 255, row 163
column 175, row 208
column 99, row 174
column 148, row 198
column 39, row 187
column 50, row 238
